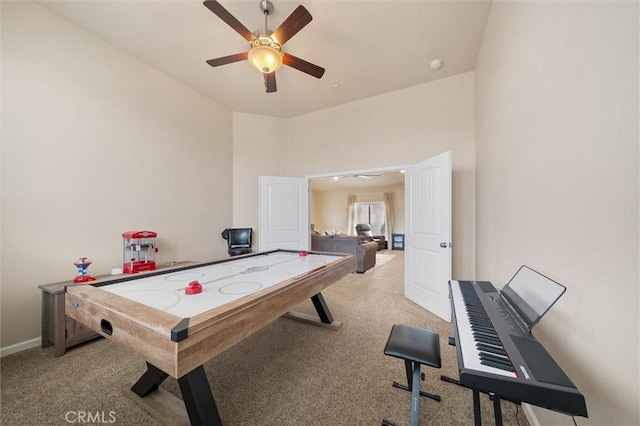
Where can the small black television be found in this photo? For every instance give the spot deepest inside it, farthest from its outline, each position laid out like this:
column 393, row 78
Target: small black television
column 240, row 237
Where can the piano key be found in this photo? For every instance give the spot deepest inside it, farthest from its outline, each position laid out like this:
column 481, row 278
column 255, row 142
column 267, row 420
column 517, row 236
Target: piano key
column 490, row 363
column 465, row 342
column 485, row 329
column 477, row 318
column 496, row 358
column 498, row 350
column 489, row 333
column 483, row 339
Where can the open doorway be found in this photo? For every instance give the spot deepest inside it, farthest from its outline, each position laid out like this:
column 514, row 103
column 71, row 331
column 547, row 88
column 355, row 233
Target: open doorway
column 341, row 200
column 427, row 214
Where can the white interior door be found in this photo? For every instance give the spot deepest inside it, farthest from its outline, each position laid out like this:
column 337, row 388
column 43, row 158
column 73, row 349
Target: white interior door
column 284, row 213
column 428, row 234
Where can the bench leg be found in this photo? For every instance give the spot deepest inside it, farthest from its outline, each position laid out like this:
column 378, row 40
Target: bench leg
column 415, row 395
column 409, row 370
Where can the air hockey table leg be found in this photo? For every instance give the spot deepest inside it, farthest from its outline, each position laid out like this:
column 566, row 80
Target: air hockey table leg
column 150, row 381
column 325, row 318
column 322, row 309
column 196, row 393
column 198, row 398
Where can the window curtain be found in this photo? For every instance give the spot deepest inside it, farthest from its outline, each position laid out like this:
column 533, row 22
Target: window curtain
column 351, row 214
column 388, row 201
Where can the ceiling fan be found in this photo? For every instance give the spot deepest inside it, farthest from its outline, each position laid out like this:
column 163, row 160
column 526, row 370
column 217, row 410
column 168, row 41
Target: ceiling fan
column 265, row 51
column 367, row 176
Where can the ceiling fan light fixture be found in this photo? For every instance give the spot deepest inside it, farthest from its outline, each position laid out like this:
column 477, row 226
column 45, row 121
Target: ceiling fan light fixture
column 265, row 55
column 265, row 52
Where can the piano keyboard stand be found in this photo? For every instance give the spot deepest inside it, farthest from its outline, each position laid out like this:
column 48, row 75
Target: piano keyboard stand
column 497, row 409
column 498, row 355
column 416, row 346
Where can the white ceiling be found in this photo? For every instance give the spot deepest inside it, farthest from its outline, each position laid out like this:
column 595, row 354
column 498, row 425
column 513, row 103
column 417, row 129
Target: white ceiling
column 367, row 47
column 356, row 182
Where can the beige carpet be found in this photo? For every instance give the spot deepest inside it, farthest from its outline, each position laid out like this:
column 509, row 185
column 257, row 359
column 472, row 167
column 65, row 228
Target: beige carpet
column 382, row 258
column 288, row 373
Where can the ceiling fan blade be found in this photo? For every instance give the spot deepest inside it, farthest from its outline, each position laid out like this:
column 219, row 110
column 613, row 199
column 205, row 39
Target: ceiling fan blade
column 270, row 82
column 298, row 19
column 302, row 65
column 228, row 59
column 229, row 19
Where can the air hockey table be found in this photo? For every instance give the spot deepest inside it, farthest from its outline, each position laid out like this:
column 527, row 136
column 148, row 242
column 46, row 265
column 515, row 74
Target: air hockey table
column 176, row 332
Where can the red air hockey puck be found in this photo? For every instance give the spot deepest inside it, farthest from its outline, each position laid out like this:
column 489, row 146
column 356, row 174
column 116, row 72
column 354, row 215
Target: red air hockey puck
column 194, row 287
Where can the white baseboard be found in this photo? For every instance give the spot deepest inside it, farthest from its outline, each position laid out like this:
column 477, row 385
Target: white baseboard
column 19, row 347
column 530, row 415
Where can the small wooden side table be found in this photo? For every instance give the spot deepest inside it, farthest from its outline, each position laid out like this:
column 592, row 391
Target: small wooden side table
column 62, row 331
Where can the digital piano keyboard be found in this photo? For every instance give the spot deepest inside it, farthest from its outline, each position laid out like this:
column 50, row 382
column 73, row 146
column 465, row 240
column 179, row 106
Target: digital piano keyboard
column 497, row 353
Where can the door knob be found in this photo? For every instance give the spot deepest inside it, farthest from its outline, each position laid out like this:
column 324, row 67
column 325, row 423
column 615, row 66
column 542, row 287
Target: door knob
column 445, row 245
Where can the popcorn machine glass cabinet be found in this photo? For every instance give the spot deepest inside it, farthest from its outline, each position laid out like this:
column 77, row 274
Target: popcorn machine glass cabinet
column 139, row 248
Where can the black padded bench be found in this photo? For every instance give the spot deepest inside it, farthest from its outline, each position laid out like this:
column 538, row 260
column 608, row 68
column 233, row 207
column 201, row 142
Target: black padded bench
column 416, row 346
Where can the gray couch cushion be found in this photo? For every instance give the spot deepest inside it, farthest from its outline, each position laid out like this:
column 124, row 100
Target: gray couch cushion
column 358, row 245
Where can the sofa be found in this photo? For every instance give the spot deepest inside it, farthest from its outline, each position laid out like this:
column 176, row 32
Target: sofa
column 364, row 250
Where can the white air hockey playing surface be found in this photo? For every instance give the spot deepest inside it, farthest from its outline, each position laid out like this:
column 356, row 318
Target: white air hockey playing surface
column 221, row 282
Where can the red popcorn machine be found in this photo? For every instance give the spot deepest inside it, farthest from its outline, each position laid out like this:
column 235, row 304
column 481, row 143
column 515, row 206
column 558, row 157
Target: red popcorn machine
column 139, row 251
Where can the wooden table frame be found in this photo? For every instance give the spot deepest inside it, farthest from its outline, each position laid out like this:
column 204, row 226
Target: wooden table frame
column 61, row 331
column 178, row 347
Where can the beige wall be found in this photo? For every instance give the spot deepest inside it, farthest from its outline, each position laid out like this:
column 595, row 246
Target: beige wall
column 96, row 143
column 259, row 149
column 557, row 184
column 402, row 127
